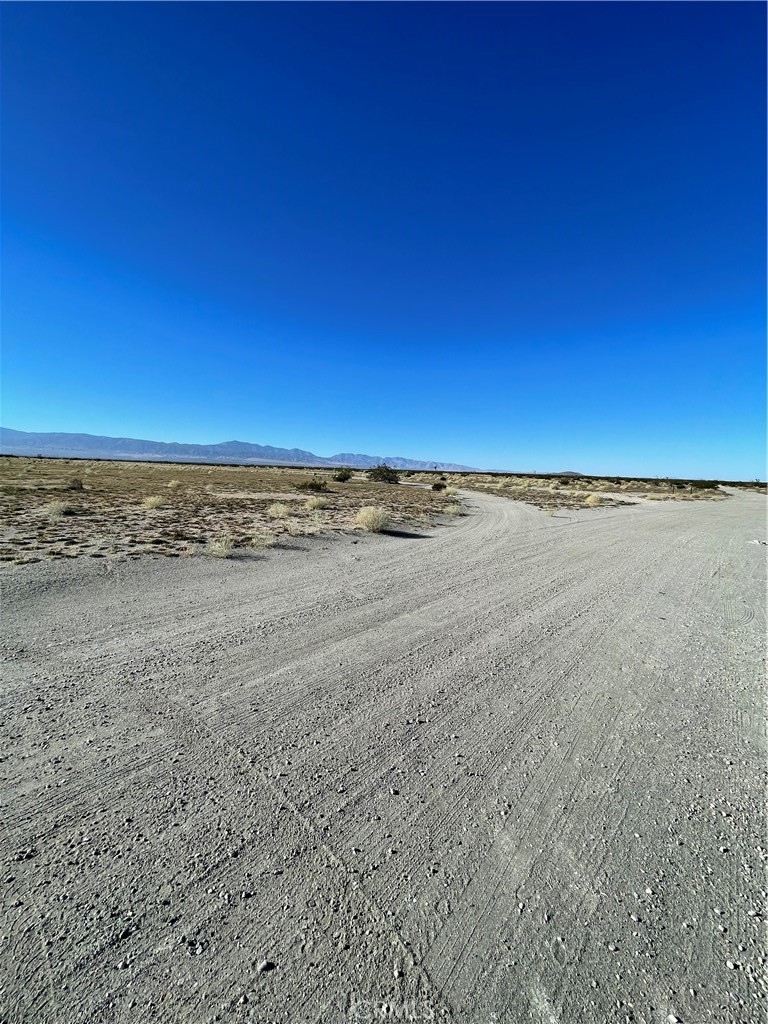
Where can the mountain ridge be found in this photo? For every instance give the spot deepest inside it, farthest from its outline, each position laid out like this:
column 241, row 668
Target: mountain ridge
column 57, row 444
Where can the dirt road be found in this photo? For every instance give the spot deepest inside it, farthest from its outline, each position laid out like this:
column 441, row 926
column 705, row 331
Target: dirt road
column 510, row 770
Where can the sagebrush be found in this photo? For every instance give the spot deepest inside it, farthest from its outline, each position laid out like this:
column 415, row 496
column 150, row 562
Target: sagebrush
column 372, row 519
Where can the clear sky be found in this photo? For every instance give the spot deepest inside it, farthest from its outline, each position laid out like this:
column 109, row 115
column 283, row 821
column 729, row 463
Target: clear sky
column 526, row 236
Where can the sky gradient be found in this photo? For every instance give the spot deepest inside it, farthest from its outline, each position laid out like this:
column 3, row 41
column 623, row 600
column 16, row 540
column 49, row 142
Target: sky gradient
column 522, row 236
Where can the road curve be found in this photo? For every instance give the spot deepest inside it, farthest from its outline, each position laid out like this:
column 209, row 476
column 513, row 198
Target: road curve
column 508, row 770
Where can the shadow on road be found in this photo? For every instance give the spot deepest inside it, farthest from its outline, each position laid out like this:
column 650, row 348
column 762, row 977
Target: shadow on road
column 405, row 535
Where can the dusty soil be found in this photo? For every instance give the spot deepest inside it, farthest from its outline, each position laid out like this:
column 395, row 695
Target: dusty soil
column 551, row 493
column 105, row 516
column 512, row 770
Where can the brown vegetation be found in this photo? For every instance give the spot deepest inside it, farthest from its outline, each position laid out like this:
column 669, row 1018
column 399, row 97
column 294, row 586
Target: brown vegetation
column 120, row 509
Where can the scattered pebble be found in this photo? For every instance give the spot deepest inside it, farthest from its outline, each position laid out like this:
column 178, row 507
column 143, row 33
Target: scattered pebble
column 264, row 966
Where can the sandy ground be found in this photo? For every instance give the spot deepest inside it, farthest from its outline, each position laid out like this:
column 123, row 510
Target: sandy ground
column 511, row 770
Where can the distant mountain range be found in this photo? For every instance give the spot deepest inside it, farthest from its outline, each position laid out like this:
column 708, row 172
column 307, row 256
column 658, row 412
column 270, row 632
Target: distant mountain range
column 91, row 446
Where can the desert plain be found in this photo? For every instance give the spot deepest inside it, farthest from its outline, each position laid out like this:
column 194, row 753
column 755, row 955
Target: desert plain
column 491, row 767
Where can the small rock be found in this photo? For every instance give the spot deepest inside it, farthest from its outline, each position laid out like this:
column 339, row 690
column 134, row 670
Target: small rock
column 264, row 966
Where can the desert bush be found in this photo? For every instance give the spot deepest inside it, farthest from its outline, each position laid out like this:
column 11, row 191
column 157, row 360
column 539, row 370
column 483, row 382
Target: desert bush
column 438, row 486
column 342, row 475
column 453, row 509
column 312, row 485
column 75, row 484
column 153, row 501
column 174, row 485
column 278, row 511
column 294, row 528
column 220, row 547
column 451, row 491
column 263, row 539
column 316, row 503
column 384, row 475
column 54, row 510
column 372, row 519
column 593, row 499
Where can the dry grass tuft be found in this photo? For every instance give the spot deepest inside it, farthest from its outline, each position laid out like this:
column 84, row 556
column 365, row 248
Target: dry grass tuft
column 279, row 510
column 54, row 510
column 153, row 501
column 173, row 485
column 593, row 499
column 453, row 509
column 220, row 547
column 316, row 503
column 263, row 539
column 451, row 491
column 372, row 519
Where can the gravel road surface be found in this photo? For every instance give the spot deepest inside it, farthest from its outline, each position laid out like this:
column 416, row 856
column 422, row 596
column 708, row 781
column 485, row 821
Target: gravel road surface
column 511, row 769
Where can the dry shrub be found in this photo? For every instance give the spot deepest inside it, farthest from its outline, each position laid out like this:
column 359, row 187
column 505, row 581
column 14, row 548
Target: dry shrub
column 263, row 539
column 372, row 519
column 174, row 485
column 453, row 509
column 315, row 503
column 220, row 547
column 593, row 499
column 153, row 501
column 54, row 510
column 450, row 491
column 278, row 511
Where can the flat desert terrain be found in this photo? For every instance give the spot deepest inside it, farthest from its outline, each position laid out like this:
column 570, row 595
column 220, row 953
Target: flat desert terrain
column 510, row 768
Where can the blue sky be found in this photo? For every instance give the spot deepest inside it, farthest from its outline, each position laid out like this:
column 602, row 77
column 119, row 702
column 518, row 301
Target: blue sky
column 526, row 236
